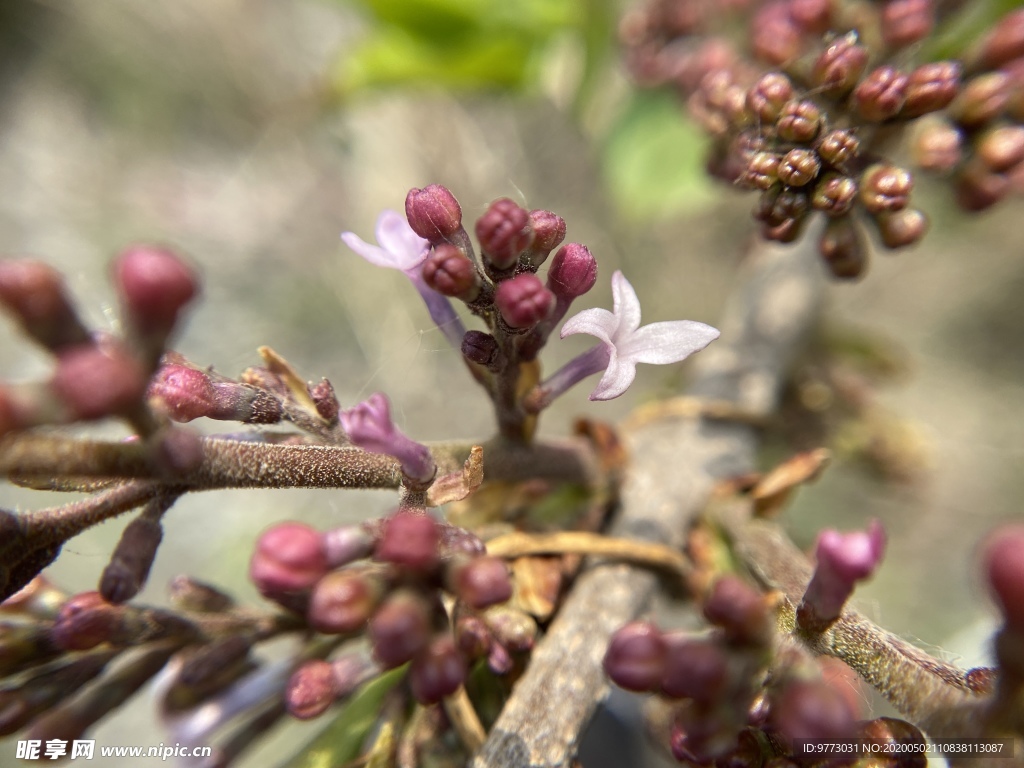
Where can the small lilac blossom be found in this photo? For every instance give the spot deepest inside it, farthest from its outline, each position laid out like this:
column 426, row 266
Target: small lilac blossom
column 369, row 426
column 623, row 344
column 843, row 560
column 399, row 247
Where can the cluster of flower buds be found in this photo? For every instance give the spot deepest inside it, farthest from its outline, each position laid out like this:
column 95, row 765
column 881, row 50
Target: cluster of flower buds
column 384, row 579
column 804, row 112
column 520, row 309
column 736, row 699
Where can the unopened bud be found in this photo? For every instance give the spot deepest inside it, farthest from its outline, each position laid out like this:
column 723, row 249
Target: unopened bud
column 573, row 271
column 342, row 602
column 636, row 655
column 85, row 621
column 881, row 94
column 479, row 347
column 131, row 561
column 786, row 231
column 326, row 401
column 504, row 233
column 694, row 669
column 433, row 213
column 905, row 22
column 977, row 188
column 885, row 188
column 762, row 170
column 799, row 167
column 902, row 228
column 810, row 710
column 409, row 539
column 94, row 381
column 513, row 629
column 814, row 17
column 289, row 559
column 843, row 249
column 981, row 100
column 931, row 87
column 437, row 671
column 524, row 301
column 182, row 392
column 400, row 628
column 480, row 582
column 775, row 38
column 839, row 67
column 834, row 194
column 1004, row 570
column 775, row 207
column 768, row 96
column 154, row 285
column 548, row 233
column 739, row 610
column 937, row 146
column 799, row 121
column 451, row 273
column 346, row 545
column 311, row 690
column 1002, row 148
column 1004, row 43
column 35, row 294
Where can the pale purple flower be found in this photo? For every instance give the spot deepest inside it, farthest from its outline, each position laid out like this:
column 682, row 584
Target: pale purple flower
column 398, row 247
column 843, row 560
column 623, row 344
column 369, row 426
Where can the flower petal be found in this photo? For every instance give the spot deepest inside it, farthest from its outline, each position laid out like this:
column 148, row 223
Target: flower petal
column 668, row 342
column 376, row 256
column 626, row 305
column 616, row 379
column 397, row 238
column 596, row 322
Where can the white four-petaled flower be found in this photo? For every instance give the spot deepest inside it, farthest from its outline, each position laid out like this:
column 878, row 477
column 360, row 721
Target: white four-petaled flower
column 627, row 343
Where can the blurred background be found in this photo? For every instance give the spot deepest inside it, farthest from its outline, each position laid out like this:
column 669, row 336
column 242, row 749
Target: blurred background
column 249, row 133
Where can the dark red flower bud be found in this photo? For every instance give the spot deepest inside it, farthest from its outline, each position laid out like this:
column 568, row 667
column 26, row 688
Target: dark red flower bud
column 885, row 188
column 977, row 188
column 775, row 207
column 834, row 194
column 35, row 294
column 183, row 393
column 799, row 167
column 479, row 347
column 842, row 248
column 901, row 228
column 981, row 100
column 548, row 232
column 881, row 94
column 931, row 87
column 635, row 659
column 739, row 610
column 799, row 121
column 1004, row 569
column 85, row 621
column 839, row 67
column 1004, row 43
column 838, row 147
column 904, row 737
column 472, row 636
column 400, row 628
column 814, row 17
column 326, row 401
column 768, row 96
column 524, row 301
column 695, row 669
column 573, row 271
column 343, row 601
column 1001, row 149
column 811, row 710
column 480, row 582
column 762, row 170
column 94, row 381
column 409, row 539
column 775, row 39
column 504, row 233
column 289, row 559
column 786, row 231
column 131, row 561
column 905, row 22
column 437, row 671
column 937, row 146
column 154, row 285
column 311, row 690
column 433, row 212
column 451, row 273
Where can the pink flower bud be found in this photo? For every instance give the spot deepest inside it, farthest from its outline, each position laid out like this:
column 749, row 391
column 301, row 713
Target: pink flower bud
column 881, row 94
column 409, row 539
column 184, row 393
column 635, row 659
column 400, row 629
column 311, row 690
column 35, row 294
column 289, row 559
column 154, row 284
column 451, row 273
column 480, row 582
column 504, row 233
column 740, row 610
column 95, row 381
column 433, row 212
column 437, row 671
column 694, row 669
column 524, row 301
column 775, row 38
column 85, row 621
column 1004, row 43
column 342, row 602
column 548, row 232
column 573, row 271
column 840, row 65
column 905, row 22
column 1004, row 568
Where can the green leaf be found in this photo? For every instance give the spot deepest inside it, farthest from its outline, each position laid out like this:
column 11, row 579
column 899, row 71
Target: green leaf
column 342, row 741
column 653, row 160
column 964, row 29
